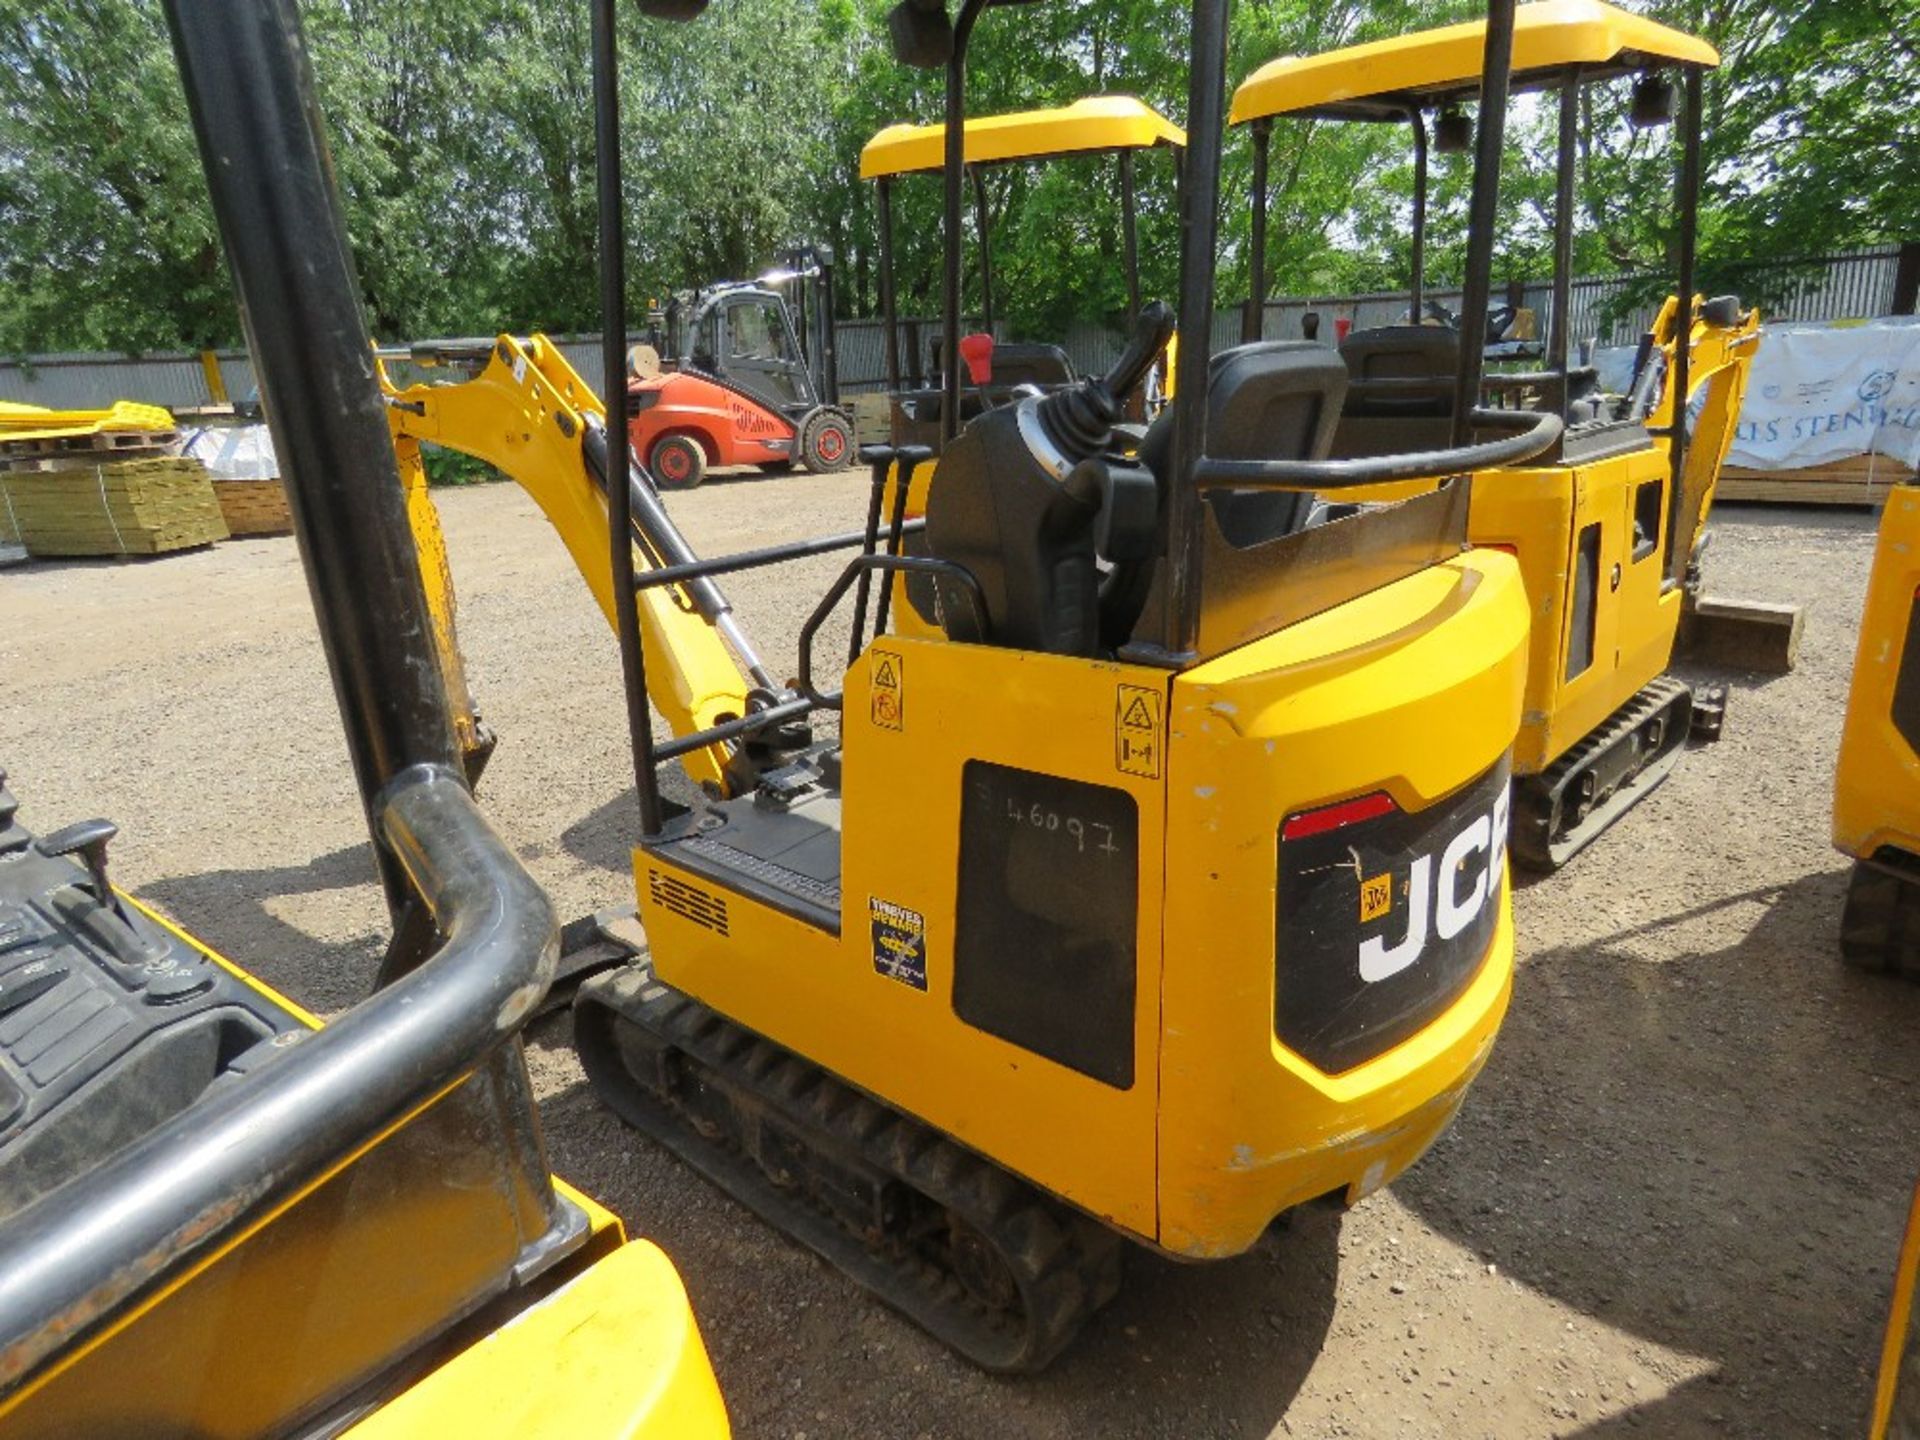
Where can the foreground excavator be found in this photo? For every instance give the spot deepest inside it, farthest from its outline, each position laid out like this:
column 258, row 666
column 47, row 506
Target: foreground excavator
column 1876, row 794
column 1876, row 821
column 219, row 1218
column 1161, row 890
column 1608, row 525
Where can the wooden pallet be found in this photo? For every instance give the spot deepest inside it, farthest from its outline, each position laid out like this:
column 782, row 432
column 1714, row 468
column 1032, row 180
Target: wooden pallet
column 872, row 419
column 1858, row 480
column 254, row 507
column 29, row 454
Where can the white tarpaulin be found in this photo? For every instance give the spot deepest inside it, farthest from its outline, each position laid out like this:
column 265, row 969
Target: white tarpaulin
column 1820, row 393
column 235, row 452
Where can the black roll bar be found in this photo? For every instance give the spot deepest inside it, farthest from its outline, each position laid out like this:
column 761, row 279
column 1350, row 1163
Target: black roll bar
column 889, row 310
column 1496, row 67
column 864, row 565
column 1540, row 429
column 1199, row 233
column 758, row 559
column 951, row 176
column 1253, row 324
column 1687, row 185
column 611, row 241
column 1417, row 280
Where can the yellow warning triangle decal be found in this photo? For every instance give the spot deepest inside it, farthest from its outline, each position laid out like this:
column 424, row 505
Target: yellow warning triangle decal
column 884, row 677
column 1137, row 716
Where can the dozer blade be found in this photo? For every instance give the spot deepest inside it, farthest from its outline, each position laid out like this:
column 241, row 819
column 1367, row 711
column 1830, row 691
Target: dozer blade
column 1560, row 811
column 982, row 1260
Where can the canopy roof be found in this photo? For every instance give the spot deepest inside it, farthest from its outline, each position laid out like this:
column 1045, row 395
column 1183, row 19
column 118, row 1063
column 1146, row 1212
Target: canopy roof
column 1097, row 123
column 1379, row 80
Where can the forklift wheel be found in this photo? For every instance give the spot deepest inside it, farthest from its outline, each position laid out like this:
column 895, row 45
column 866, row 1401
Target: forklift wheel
column 677, row 462
column 825, row 441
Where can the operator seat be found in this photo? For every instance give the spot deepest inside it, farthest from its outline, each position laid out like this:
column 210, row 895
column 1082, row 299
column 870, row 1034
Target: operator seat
column 1390, row 418
column 1271, row 400
column 1015, row 362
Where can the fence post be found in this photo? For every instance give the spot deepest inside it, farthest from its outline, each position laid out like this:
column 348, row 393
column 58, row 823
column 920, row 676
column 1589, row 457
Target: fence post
column 1906, row 279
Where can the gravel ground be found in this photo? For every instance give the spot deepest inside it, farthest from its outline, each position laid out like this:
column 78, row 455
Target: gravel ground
column 1670, row 1206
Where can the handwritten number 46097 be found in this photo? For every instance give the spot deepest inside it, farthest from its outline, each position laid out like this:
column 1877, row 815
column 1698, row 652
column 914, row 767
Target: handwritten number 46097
column 1073, row 827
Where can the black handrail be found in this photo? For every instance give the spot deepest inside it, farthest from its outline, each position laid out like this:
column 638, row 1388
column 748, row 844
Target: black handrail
column 1542, row 428
column 757, row 559
column 750, row 723
column 863, row 564
column 214, row 1172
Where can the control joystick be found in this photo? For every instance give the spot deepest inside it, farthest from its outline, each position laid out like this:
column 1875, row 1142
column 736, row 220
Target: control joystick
column 1032, row 496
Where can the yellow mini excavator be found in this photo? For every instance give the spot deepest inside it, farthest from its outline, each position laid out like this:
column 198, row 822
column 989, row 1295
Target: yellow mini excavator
column 1159, row 892
column 1608, row 525
column 1119, row 126
column 220, row 1219
column 1876, row 793
column 1876, row 821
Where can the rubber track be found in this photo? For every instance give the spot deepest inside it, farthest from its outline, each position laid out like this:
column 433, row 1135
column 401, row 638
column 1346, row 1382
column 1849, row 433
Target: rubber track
column 1880, row 926
column 1537, row 797
column 1064, row 1265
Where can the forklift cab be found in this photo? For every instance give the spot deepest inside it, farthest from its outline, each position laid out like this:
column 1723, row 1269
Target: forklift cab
column 1115, row 125
column 742, row 334
column 746, row 336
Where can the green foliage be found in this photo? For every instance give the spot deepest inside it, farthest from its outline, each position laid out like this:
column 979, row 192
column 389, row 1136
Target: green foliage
column 452, row 467
column 462, row 136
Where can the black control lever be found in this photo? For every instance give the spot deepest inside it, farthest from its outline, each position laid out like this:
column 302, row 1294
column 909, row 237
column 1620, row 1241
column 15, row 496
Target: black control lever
column 88, row 838
column 1080, row 418
column 1152, row 328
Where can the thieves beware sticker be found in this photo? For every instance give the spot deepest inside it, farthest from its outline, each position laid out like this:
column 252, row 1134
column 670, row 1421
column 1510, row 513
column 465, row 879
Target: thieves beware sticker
column 899, row 942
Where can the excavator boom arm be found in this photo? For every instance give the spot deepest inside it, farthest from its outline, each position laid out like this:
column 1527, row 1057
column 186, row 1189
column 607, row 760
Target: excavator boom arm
column 529, row 414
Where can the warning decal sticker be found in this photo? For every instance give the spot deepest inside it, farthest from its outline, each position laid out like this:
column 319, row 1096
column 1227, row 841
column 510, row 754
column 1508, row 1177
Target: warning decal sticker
column 1136, row 731
column 889, row 699
column 899, row 942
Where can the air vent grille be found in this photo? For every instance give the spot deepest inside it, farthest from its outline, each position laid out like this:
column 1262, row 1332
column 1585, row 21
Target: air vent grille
column 689, row 902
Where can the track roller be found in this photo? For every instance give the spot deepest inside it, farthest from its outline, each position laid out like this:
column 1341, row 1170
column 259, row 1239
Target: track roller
column 993, row 1267
column 1560, row 811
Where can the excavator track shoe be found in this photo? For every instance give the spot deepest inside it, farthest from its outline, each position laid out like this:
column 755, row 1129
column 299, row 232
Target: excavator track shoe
column 1561, row 811
column 998, row 1270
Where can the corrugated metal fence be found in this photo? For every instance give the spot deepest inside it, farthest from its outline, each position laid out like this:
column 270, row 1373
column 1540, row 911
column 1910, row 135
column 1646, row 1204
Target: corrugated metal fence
column 1854, row 284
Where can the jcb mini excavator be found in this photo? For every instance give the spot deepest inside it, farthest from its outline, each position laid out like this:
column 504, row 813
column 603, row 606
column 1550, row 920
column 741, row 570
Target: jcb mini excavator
column 1140, row 904
column 1876, row 791
column 220, row 1219
column 1876, row 821
column 1608, row 525
column 1119, row 126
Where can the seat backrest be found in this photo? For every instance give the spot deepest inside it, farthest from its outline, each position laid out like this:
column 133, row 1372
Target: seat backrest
column 1023, row 362
column 1271, row 400
column 1402, row 352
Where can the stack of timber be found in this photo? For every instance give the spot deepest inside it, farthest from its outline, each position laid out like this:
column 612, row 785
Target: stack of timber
column 104, row 503
column 101, row 482
column 872, row 419
column 253, row 507
column 1857, row 480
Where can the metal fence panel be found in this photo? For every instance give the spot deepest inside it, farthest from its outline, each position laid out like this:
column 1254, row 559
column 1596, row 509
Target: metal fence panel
column 1853, row 284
